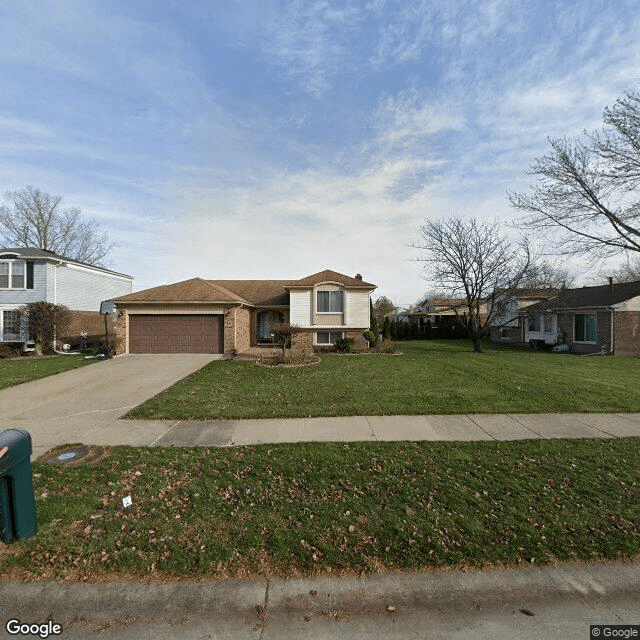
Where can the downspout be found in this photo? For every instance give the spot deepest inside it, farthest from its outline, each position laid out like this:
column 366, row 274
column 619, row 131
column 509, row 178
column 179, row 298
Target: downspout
column 611, row 350
column 55, row 296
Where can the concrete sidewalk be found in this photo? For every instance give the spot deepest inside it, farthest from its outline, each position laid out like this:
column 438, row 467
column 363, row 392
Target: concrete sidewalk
column 547, row 602
column 224, row 433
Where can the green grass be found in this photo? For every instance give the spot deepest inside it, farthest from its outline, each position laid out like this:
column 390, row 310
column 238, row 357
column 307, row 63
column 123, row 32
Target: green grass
column 18, row 370
column 431, row 377
column 333, row 508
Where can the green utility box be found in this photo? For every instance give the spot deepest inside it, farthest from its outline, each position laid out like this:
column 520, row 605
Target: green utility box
column 17, row 503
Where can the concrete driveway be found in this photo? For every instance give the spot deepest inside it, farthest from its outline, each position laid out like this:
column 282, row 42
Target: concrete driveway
column 84, row 404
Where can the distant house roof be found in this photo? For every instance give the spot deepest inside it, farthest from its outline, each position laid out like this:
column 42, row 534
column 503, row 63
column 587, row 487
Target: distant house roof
column 601, row 296
column 259, row 293
column 44, row 254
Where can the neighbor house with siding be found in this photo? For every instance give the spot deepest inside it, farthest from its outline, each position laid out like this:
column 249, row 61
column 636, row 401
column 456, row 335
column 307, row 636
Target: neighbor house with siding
column 235, row 316
column 35, row 275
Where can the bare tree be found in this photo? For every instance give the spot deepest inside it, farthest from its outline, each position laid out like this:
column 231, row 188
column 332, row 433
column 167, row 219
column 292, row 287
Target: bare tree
column 283, row 333
column 37, row 219
column 586, row 194
column 627, row 272
column 546, row 275
column 473, row 260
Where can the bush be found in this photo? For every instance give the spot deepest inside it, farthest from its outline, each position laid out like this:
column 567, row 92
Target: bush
column 345, row 345
column 370, row 337
column 8, row 351
column 386, row 328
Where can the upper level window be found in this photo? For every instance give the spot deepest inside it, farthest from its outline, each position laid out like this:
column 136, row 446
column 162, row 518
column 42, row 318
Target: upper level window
column 12, row 274
column 330, row 302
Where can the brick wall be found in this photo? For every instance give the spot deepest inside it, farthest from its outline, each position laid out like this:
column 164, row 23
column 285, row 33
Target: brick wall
column 627, row 333
column 303, row 343
column 603, row 329
column 121, row 332
column 361, row 342
column 91, row 323
column 237, row 330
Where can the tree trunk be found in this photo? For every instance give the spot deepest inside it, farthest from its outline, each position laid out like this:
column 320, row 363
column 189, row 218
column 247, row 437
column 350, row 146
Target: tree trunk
column 475, row 336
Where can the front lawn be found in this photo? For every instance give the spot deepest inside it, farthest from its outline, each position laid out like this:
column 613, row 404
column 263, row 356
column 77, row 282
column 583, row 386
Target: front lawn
column 431, row 377
column 331, row 509
column 15, row 371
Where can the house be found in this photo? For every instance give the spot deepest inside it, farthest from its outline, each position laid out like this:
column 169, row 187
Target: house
column 35, row 275
column 442, row 313
column 235, row 316
column 508, row 321
column 603, row 319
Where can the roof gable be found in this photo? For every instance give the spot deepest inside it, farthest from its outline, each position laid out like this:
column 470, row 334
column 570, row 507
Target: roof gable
column 194, row 290
column 331, row 276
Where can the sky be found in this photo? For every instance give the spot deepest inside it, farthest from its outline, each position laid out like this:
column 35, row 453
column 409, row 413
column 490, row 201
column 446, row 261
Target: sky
column 272, row 139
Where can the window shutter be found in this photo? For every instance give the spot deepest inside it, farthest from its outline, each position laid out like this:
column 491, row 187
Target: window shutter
column 29, row 275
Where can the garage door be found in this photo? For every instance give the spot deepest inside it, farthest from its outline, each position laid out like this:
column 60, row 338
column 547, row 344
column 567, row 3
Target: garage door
column 176, row 334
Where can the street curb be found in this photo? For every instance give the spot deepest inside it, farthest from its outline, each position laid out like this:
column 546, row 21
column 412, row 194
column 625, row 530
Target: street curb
column 381, row 593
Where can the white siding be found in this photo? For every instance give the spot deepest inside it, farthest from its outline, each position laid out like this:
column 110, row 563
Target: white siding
column 358, row 315
column 300, row 307
column 82, row 288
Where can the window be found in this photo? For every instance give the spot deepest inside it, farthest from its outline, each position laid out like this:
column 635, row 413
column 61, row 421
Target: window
column 535, row 323
column 10, row 326
column 505, row 334
column 330, row 302
column 12, row 274
column 585, row 329
column 548, row 323
column 328, row 337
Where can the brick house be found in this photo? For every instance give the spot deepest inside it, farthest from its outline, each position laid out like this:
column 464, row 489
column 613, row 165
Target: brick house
column 234, row 316
column 603, row 319
column 35, row 275
column 507, row 313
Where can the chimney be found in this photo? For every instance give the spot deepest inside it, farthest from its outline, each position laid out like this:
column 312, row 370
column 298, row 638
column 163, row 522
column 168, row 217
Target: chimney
column 359, row 276
column 610, row 284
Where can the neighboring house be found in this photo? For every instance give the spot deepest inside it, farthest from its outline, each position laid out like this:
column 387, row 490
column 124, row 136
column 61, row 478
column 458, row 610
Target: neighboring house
column 234, row 316
column 35, row 275
column 508, row 321
column 438, row 311
column 604, row 319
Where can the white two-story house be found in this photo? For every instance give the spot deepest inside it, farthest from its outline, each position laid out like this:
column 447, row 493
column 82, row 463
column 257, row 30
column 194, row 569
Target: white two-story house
column 235, row 316
column 35, row 275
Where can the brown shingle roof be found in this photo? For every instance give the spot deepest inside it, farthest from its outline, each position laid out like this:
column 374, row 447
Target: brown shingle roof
column 332, row 276
column 258, row 292
column 602, row 296
column 194, row 290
